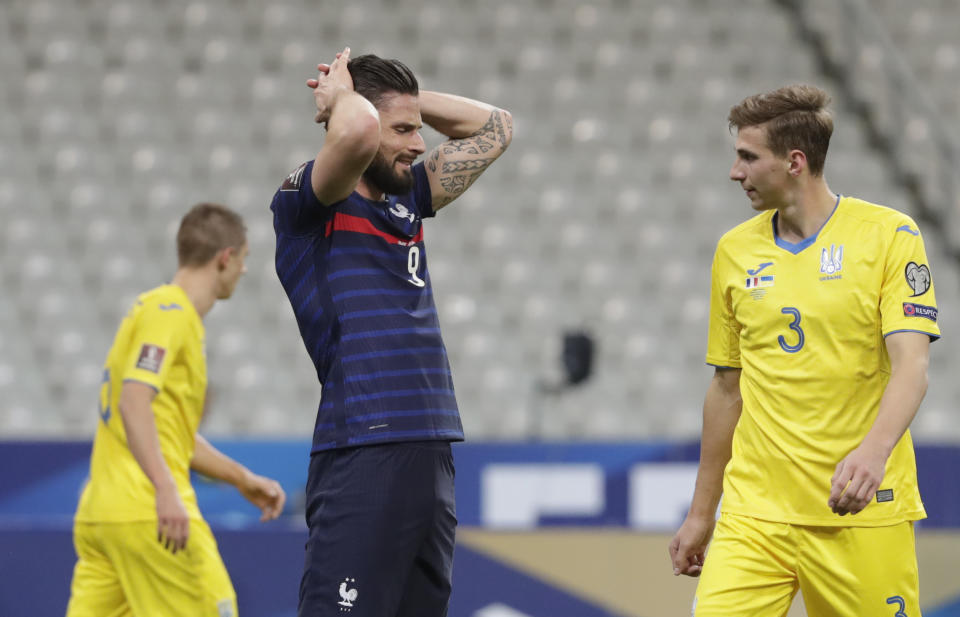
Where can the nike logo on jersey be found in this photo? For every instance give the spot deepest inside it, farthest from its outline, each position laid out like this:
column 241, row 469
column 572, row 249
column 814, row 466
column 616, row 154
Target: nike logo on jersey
column 909, row 230
column 757, row 270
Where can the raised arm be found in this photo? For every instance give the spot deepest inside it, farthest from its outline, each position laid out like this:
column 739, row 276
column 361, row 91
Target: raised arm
column 478, row 134
column 721, row 412
column 262, row 492
column 859, row 474
column 353, row 131
column 136, row 411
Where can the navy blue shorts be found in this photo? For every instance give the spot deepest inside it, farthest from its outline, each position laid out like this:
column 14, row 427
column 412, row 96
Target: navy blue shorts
column 382, row 522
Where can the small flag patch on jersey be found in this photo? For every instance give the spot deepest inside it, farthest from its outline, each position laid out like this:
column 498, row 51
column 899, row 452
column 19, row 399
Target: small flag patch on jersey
column 911, row 309
column 885, row 495
column 151, row 358
column 760, row 281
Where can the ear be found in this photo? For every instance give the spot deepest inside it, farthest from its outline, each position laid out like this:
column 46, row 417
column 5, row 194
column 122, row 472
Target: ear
column 223, row 257
column 797, row 162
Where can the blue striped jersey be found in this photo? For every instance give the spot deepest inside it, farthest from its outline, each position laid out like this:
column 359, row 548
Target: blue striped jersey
column 356, row 276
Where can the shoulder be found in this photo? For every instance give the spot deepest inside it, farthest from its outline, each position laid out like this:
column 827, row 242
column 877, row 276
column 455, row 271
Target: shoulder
column 295, row 207
column 884, row 217
column 296, row 178
column 166, row 304
column 749, row 231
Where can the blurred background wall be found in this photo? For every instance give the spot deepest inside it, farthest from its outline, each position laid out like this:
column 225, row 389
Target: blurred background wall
column 601, row 220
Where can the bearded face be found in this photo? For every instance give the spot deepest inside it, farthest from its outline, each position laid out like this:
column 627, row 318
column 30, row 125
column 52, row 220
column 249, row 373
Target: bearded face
column 388, row 176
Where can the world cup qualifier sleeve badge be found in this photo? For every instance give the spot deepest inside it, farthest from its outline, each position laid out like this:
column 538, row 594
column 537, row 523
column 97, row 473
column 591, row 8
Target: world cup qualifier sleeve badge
column 918, row 277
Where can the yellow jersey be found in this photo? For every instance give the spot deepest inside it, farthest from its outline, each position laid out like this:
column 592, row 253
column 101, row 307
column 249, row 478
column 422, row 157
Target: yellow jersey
column 159, row 343
column 806, row 323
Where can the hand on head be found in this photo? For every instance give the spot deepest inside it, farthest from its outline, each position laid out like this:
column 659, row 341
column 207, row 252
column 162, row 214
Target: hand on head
column 331, row 79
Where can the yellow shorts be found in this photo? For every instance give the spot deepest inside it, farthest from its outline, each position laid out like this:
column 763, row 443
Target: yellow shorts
column 754, row 568
column 123, row 570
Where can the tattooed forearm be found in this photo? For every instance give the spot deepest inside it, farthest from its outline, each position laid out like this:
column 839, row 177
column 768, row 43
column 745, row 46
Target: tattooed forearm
column 495, row 126
column 454, row 185
column 491, row 135
column 455, row 164
column 475, row 144
column 467, row 165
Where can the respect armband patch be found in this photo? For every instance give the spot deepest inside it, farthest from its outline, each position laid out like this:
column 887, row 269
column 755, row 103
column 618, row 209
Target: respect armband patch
column 151, row 357
column 911, row 309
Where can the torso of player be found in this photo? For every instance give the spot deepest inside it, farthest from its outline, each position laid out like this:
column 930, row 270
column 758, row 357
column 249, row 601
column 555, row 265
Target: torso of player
column 356, row 275
column 159, row 343
column 814, row 366
column 812, row 314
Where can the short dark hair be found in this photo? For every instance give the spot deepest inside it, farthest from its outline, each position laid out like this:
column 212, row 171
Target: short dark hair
column 375, row 77
column 796, row 118
column 206, row 230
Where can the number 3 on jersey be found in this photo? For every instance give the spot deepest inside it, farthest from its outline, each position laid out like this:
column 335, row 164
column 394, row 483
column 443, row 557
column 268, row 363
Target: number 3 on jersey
column 795, row 326
column 106, row 393
column 901, row 605
column 413, row 265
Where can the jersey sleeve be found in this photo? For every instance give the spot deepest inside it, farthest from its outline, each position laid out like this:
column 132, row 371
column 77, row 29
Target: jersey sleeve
column 296, row 209
column 723, row 338
column 907, row 299
column 156, row 340
column 421, row 195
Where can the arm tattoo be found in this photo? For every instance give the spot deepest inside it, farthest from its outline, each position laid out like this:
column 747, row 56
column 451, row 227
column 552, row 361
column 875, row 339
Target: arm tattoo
column 454, row 185
column 458, row 162
column 475, row 144
column 495, row 126
column 489, row 136
column 454, row 166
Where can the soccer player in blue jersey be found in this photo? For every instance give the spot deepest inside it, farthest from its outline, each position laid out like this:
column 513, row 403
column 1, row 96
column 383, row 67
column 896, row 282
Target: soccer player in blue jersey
column 822, row 313
column 351, row 257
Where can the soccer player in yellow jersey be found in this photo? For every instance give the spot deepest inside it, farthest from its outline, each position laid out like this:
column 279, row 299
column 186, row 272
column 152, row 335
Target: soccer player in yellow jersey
column 822, row 313
column 142, row 546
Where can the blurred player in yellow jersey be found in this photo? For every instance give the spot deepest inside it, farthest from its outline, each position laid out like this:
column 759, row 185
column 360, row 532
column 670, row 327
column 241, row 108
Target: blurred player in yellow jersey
column 142, row 546
column 822, row 313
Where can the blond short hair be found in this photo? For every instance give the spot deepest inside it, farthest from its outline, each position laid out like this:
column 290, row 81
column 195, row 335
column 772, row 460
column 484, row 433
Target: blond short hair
column 206, row 230
column 795, row 117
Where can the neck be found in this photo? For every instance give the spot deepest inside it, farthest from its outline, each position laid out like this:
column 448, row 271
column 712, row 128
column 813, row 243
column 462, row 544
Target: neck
column 805, row 210
column 199, row 285
column 369, row 191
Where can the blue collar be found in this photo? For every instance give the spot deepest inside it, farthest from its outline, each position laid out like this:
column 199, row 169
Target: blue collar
column 799, row 246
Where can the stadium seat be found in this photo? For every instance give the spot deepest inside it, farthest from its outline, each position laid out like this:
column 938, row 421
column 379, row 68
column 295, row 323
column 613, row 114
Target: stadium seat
column 604, row 213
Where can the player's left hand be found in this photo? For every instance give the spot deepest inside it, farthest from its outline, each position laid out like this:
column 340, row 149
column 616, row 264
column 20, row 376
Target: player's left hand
column 856, row 480
column 264, row 493
column 331, row 79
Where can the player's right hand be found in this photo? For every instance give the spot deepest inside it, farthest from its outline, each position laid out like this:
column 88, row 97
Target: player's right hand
column 173, row 523
column 689, row 547
column 331, row 79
